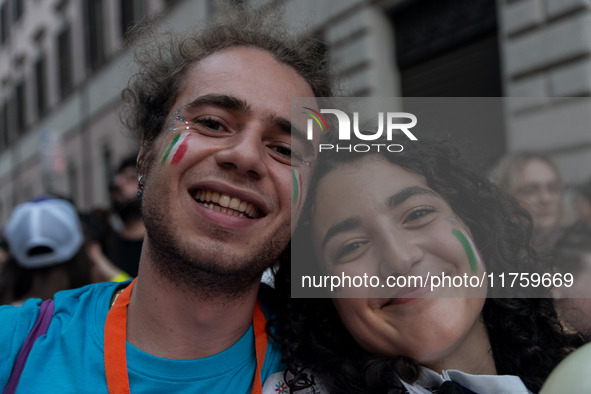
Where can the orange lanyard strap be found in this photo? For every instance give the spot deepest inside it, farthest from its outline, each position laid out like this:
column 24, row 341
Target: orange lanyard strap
column 261, row 339
column 115, row 338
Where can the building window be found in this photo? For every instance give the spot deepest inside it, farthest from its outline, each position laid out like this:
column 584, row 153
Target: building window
column 132, row 11
column 95, row 40
column 10, row 117
column 448, row 48
column 3, row 23
column 4, row 126
column 41, row 81
column 64, row 48
column 18, row 8
column 73, row 181
column 20, row 107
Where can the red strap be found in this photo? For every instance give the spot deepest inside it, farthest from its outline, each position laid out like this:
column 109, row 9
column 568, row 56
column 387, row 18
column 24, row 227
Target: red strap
column 115, row 337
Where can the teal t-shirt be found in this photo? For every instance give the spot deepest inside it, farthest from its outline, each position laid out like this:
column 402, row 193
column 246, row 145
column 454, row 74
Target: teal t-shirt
column 69, row 358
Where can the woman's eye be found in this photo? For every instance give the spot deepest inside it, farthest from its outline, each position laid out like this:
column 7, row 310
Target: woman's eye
column 348, row 249
column 418, row 213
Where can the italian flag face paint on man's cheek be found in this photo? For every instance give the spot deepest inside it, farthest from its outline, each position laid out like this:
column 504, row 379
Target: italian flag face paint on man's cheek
column 471, row 252
column 296, row 188
column 174, row 152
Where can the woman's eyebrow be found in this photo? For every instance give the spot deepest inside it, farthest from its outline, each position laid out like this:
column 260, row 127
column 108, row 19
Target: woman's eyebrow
column 340, row 227
column 405, row 194
column 392, row 202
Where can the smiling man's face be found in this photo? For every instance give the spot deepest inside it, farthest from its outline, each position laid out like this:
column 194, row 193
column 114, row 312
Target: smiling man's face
column 218, row 191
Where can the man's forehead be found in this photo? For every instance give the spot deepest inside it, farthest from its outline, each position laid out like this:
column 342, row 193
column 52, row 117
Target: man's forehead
column 227, row 62
column 247, row 80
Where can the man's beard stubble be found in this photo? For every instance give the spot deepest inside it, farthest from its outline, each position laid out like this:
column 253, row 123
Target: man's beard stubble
column 214, row 273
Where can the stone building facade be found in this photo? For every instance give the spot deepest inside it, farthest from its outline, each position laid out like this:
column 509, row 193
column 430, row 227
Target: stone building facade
column 63, row 64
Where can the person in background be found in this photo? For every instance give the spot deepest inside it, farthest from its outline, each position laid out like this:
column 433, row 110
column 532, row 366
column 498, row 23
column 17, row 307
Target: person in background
column 535, row 182
column 99, row 234
column 45, row 240
column 128, row 235
column 115, row 238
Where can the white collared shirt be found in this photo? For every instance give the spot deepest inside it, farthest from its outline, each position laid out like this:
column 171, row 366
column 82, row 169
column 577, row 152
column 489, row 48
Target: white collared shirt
column 481, row 384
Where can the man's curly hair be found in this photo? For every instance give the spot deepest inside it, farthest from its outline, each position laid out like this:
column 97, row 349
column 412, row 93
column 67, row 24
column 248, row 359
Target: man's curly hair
column 526, row 337
column 164, row 58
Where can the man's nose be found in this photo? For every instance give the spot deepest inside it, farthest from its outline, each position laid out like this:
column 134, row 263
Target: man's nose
column 244, row 153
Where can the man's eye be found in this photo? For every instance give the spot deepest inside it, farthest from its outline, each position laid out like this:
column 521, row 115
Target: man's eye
column 286, row 154
column 418, row 213
column 210, row 124
column 283, row 151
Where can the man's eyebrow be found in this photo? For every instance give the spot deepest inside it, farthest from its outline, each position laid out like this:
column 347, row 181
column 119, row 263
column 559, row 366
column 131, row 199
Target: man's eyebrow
column 220, row 100
column 408, row 192
column 345, row 225
column 288, row 128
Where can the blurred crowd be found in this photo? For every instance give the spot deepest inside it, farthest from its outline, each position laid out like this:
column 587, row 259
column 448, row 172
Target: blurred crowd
column 48, row 245
column 561, row 226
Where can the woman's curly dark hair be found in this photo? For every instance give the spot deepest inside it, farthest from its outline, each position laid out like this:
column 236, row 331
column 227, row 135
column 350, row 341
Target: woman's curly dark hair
column 526, row 337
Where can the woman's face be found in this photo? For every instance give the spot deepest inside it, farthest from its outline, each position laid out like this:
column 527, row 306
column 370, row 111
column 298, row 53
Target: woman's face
column 375, row 218
column 538, row 190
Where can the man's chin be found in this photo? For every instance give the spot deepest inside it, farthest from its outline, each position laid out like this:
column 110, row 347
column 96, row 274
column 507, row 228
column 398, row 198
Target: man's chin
column 208, row 261
column 211, row 277
column 213, row 268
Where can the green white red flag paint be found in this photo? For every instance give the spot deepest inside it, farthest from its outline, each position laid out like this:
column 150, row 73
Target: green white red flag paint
column 296, row 186
column 174, row 152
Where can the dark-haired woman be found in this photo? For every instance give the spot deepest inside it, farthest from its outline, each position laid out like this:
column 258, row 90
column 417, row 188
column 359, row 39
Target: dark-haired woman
column 416, row 213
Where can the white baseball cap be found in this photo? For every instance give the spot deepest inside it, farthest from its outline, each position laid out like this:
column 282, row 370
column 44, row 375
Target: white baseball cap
column 43, row 233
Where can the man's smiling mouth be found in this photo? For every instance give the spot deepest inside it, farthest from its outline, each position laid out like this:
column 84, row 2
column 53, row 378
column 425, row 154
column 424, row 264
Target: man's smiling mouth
column 227, row 204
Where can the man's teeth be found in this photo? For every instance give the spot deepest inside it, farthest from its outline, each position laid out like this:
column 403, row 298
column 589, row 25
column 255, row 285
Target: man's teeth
column 224, row 203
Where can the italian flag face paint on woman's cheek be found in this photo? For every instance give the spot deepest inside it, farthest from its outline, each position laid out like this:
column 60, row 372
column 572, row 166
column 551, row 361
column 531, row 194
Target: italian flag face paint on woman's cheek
column 296, row 189
column 472, row 253
column 174, row 152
